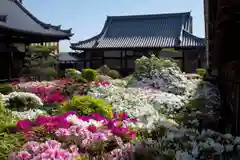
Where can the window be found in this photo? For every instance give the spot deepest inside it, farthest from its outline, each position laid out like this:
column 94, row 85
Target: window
column 96, row 64
column 97, row 55
column 130, row 63
column 113, row 63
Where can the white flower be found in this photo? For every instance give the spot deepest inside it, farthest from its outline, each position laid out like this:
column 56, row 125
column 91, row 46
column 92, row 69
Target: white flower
column 228, row 136
column 219, row 148
column 30, row 114
column 35, row 100
column 237, row 140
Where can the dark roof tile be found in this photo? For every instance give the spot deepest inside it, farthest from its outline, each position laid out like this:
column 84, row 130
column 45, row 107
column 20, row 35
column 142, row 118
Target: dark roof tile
column 20, row 19
column 66, row 56
column 189, row 40
column 141, row 31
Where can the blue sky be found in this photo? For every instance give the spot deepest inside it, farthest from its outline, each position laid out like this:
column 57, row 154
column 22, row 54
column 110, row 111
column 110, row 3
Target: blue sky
column 87, row 17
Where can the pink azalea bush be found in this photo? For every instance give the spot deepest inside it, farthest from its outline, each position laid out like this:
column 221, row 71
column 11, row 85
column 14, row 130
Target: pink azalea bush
column 80, row 135
column 48, row 91
column 51, row 91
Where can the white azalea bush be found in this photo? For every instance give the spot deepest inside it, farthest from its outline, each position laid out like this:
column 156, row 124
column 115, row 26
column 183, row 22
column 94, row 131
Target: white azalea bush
column 160, row 73
column 21, row 100
column 167, row 101
column 29, row 114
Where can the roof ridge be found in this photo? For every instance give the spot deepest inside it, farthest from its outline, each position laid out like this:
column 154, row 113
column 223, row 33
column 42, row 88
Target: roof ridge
column 150, row 15
column 191, row 34
column 44, row 25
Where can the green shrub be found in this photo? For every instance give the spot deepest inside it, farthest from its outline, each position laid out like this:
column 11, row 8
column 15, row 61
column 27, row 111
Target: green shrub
column 70, row 89
column 80, row 79
column 90, row 74
column 201, row 72
column 72, row 73
column 9, row 143
column 114, row 74
column 86, row 105
column 6, row 88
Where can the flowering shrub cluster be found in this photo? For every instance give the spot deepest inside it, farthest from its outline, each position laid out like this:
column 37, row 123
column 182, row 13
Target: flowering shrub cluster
column 160, row 114
column 21, row 100
column 78, row 135
column 49, row 92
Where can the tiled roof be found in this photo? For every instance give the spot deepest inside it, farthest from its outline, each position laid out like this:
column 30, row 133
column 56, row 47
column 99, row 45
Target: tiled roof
column 66, row 56
column 142, row 31
column 189, row 40
column 20, row 19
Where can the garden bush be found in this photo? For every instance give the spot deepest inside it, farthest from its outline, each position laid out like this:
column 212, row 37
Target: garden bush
column 6, row 88
column 201, row 72
column 21, row 100
column 90, row 74
column 72, row 73
column 103, row 78
column 85, row 105
column 114, row 74
column 10, row 142
column 103, row 70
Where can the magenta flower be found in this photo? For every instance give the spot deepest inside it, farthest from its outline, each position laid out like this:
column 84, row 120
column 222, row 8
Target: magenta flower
column 43, row 119
column 97, row 117
column 23, row 155
column 92, row 128
column 24, row 125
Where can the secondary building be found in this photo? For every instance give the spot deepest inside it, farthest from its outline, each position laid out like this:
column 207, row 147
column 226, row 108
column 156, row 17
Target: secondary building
column 125, row 38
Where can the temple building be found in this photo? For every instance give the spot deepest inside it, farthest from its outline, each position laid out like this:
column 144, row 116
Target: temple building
column 18, row 29
column 125, row 38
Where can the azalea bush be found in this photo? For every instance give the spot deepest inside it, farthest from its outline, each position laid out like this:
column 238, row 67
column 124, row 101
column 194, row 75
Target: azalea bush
column 85, row 105
column 74, row 136
column 6, row 88
column 158, row 112
column 21, row 100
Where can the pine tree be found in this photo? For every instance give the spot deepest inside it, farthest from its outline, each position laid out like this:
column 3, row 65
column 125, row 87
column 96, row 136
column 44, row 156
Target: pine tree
column 39, row 63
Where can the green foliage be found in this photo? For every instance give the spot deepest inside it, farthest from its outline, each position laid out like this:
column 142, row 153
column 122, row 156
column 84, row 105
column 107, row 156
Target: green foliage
column 86, row 105
column 9, row 143
column 75, row 75
column 114, row 74
column 6, row 118
column 145, row 65
column 90, row 74
column 39, row 63
column 71, row 88
column 72, row 73
column 6, row 88
column 201, row 71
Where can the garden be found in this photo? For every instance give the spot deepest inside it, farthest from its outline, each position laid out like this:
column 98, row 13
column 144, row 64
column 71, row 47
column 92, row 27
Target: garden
column 158, row 112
